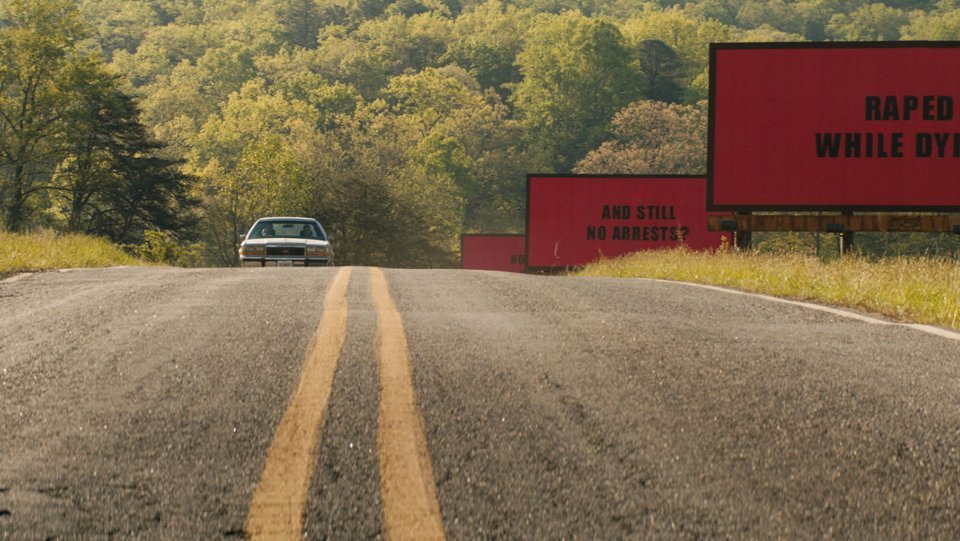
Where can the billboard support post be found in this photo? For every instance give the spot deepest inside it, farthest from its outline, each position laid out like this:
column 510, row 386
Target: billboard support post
column 846, row 238
column 743, row 238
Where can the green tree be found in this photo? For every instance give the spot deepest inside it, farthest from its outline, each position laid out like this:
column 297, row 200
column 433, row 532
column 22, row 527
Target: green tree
column 382, row 191
column 244, row 161
column 406, row 43
column 91, row 148
column 196, row 90
column 870, row 22
column 409, row 8
column 263, row 180
column 943, row 26
column 39, row 66
column 113, row 181
column 577, row 72
column 662, row 70
column 119, row 25
column 724, row 11
column 767, row 34
column 467, row 136
column 162, row 49
column 688, row 35
column 586, row 7
column 153, row 194
column 248, row 115
column 368, row 9
column 815, row 14
column 488, row 38
column 653, row 137
column 340, row 57
column 301, row 21
column 774, row 13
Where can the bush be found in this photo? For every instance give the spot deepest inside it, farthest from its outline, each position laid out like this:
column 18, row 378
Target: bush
column 163, row 247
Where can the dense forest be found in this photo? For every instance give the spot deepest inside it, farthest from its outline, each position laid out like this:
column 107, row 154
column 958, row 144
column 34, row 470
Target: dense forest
column 399, row 124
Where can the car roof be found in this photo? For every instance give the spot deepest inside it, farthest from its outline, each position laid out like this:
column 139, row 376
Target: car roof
column 288, row 218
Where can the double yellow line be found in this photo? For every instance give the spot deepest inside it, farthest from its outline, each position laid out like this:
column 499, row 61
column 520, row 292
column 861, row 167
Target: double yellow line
column 407, row 488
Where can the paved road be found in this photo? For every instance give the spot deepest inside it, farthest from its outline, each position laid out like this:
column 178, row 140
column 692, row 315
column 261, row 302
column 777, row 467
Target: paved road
column 146, row 403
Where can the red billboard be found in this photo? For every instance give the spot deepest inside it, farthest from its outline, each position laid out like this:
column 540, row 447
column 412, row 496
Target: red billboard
column 834, row 126
column 500, row 252
column 574, row 219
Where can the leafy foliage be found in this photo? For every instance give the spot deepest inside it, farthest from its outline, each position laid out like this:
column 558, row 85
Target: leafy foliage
column 577, row 73
column 399, row 123
column 653, row 137
column 73, row 152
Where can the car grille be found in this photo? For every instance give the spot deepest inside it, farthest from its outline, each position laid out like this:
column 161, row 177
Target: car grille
column 285, row 250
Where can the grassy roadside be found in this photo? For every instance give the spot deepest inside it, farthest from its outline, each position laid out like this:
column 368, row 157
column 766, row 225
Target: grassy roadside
column 46, row 250
column 911, row 289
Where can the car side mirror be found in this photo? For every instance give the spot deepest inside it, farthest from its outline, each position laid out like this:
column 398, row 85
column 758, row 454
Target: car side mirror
column 242, row 238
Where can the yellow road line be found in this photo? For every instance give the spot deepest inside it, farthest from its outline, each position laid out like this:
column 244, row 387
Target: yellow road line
column 276, row 511
column 410, row 506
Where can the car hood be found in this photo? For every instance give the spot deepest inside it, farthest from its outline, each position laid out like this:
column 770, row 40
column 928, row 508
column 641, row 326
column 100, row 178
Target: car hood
column 282, row 241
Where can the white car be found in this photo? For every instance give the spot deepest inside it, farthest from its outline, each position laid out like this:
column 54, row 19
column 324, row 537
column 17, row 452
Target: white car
column 286, row 242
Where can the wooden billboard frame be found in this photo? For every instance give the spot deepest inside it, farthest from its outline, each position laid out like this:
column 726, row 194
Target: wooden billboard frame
column 838, row 223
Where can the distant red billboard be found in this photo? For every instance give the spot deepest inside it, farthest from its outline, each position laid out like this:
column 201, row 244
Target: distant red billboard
column 834, row 126
column 574, row 219
column 500, row 252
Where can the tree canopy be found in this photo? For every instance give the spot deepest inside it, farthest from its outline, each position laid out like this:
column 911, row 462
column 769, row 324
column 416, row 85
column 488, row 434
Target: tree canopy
column 74, row 152
column 398, row 123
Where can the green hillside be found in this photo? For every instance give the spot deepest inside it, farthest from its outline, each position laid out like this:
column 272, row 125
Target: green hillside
column 399, row 124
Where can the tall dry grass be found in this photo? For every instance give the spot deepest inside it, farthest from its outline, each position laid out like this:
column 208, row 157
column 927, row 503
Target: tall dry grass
column 47, row 250
column 915, row 289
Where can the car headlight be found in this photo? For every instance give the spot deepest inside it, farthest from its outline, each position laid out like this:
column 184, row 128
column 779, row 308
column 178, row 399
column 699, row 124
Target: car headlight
column 253, row 250
column 318, row 250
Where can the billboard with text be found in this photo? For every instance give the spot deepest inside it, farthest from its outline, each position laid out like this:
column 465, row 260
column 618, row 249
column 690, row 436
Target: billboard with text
column 500, row 252
column 834, row 126
column 574, row 219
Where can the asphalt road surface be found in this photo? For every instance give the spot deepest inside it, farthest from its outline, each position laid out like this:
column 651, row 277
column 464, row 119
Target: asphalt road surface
column 156, row 403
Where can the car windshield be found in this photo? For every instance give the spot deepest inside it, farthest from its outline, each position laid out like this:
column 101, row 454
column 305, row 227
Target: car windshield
column 286, row 229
